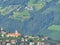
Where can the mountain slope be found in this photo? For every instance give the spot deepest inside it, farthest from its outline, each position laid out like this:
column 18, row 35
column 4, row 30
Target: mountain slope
column 30, row 17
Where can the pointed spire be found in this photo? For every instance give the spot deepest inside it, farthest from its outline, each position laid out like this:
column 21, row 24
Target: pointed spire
column 16, row 31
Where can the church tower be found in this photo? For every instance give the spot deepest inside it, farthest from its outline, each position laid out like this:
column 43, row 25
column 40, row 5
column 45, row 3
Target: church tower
column 16, row 32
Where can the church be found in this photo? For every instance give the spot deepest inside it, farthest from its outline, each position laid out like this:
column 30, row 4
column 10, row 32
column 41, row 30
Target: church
column 16, row 34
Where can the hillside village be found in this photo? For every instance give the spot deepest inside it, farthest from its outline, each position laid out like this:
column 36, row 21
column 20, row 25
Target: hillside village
column 30, row 17
column 18, row 39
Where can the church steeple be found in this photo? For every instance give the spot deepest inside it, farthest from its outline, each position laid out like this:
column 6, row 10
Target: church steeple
column 16, row 32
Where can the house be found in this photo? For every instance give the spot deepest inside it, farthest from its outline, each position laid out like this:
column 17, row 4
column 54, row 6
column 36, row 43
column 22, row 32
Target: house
column 29, row 8
column 46, row 37
column 8, row 43
column 40, row 43
column 22, row 39
column 31, row 43
column 13, row 41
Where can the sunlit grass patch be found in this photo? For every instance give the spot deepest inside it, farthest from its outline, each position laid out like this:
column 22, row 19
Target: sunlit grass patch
column 54, row 27
column 21, row 15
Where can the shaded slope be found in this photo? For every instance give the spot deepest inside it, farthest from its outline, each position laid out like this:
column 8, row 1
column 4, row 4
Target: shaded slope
column 38, row 22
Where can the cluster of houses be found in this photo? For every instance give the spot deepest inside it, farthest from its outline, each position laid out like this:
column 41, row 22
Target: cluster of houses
column 26, row 40
column 21, row 42
column 13, row 42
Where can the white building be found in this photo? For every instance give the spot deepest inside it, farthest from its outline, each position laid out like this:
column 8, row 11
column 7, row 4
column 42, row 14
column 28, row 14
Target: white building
column 13, row 41
column 8, row 44
column 31, row 43
column 22, row 39
column 40, row 43
column 29, row 8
